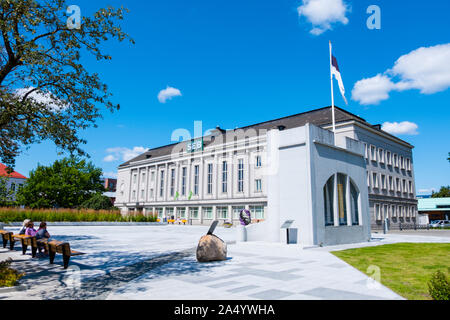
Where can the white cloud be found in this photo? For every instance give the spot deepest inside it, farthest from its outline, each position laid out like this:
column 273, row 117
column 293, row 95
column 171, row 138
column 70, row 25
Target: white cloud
column 401, row 128
column 45, row 98
column 372, row 90
column 426, row 191
column 168, row 94
column 322, row 14
column 125, row 154
column 110, row 158
column 110, row 174
column 426, row 69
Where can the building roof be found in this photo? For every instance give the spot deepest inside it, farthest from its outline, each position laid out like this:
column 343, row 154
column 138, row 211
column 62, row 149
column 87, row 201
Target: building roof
column 14, row 174
column 318, row 117
column 434, row 204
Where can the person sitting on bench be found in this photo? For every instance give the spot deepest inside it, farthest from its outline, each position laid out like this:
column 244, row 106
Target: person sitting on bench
column 42, row 234
column 30, row 229
column 24, row 226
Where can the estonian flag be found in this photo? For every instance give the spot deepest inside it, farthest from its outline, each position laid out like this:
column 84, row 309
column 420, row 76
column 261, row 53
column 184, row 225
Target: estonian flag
column 337, row 74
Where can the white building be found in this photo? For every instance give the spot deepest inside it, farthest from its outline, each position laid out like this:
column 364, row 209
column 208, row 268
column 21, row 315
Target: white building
column 14, row 181
column 283, row 169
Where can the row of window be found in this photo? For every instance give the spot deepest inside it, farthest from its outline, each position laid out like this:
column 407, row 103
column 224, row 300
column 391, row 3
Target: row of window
column 195, row 189
column 382, row 211
column 257, row 212
column 381, row 181
column 387, row 157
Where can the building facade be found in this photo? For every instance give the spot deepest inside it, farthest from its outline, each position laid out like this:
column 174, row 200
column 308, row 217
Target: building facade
column 216, row 176
column 14, row 181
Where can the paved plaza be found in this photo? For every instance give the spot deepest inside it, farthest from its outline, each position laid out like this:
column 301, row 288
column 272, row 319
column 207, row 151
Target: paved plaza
column 158, row 262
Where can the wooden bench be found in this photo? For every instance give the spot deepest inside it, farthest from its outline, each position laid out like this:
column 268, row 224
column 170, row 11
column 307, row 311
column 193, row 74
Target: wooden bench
column 52, row 247
column 7, row 236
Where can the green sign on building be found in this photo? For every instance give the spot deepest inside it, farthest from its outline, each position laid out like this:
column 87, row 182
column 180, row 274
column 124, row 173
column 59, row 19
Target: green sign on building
column 195, row 145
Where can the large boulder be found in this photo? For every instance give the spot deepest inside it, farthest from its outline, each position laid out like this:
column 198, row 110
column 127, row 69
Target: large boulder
column 211, row 248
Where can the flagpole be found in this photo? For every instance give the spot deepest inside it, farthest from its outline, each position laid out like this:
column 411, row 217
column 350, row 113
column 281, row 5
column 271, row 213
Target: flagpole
column 332, row 90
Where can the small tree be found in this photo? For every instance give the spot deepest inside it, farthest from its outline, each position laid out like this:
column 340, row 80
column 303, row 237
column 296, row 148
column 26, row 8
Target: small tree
column 98, row 202
column 67, row 183
column 438, row 286
column 5, row 193
column 443, row 193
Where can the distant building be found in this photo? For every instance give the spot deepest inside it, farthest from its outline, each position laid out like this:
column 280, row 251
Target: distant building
column 433, row 209
column 111, row 187
column 15, row 180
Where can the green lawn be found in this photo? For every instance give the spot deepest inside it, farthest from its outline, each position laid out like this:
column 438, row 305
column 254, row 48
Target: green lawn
column 405, row 267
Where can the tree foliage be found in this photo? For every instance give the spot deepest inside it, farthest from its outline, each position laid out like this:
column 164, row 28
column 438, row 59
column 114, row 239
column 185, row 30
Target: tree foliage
column 45, row 91
column 443, row 193
column 5, row 193
column 98, row 202
column 67, row 183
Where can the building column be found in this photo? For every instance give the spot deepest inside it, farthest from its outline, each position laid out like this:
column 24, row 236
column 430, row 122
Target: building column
column 347, row 200
column 336, row 202
column 187, row 215
column 230, row 213
column 214, row 212
column 164, row 212
column 200, row 214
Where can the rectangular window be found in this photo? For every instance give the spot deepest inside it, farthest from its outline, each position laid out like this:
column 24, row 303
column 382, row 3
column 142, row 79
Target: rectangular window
column 258, row 185
column 383, row 182
column 241, row 175
column 258, row 162
column 134, row 178
column 193, row 213
column 142, row 194
column 210, row 178
column 375, row 180
column 237, row 212
column 388, row 158
column 222, row 213
column 411, row 187
column 153, row 176
column 395, row 160
column 366, row 150
column 402, row 162
column 172, row 182
column 134, row 195
column 381, row 155
column 208, row 213
column 143, row 178
column 405, row 190
column 373, row 153
column 196, row 178
column 257, row 212
column 151, row 193
column 181, row 213
column 408, row 164
column 377, row 212
column 161, row 186
column 398, row 186
column 224, row 177
column 183, row 181
column 391, row 184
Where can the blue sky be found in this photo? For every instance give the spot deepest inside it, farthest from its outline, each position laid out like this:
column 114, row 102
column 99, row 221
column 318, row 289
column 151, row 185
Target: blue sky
column 238, row 62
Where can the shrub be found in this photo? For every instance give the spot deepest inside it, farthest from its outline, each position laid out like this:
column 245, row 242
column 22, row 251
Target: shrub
column 70, row 215
column 97, row 202
column 8, row 276
column 438, row 286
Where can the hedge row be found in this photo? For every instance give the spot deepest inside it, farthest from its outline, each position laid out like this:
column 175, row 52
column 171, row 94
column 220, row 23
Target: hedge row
column 69, row 215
